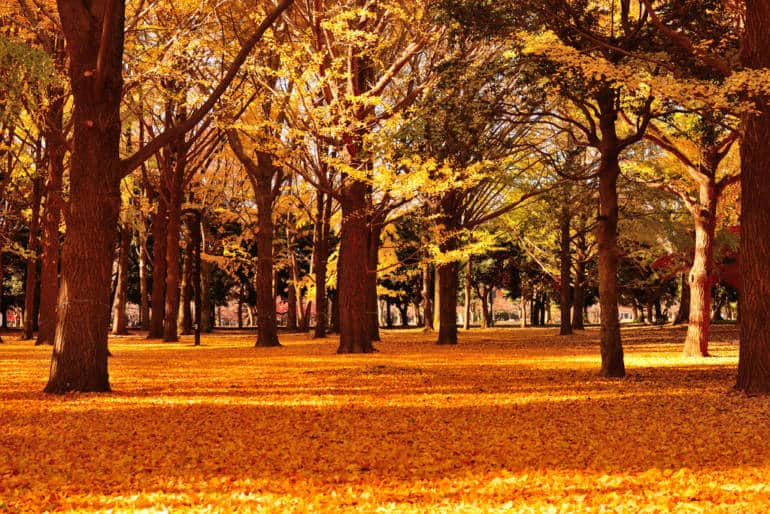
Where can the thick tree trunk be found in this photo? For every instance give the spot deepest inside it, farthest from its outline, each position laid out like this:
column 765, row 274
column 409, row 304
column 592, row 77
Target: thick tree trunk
column 267, row 324
column 355, row 333
column 702, row 275
column 159, row 228
column 448, row 279
column 79, row 361
column 33, row 247
column 427, row 298
column 607, row 238
column 565, row 300
column 683, row 314
column 372, row 264
column 121, row 291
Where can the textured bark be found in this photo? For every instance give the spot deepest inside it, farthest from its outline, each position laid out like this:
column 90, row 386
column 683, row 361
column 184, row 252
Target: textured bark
column 565, row 300
column 49, row 258
column 320, row 261
column 355, row 333
column 607, row 238
column 467, row 316
column 448, row 281
column 373, row 251
column 185, row 314
column 207, row 307
column 174, row 225
column 119, row 326
column 701, row 276
column 427, row 298
column 267, row 323
column 754, row 354
column 578, row 293
column 485, row 322
column 33, row 247
column 159, row 227
column 95, row 46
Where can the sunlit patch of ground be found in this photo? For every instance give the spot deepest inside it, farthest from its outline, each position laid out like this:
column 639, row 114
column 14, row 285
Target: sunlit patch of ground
column 509, row 420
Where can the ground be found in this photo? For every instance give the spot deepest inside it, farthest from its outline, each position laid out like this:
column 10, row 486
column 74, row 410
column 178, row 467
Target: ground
column 509, row 420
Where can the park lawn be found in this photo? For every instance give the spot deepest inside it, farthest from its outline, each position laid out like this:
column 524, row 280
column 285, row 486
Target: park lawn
column 508, row 420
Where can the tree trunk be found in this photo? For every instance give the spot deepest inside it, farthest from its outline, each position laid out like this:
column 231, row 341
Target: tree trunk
column 144, row 299
column 578, row 294
column 49, row 260
column 484, row 308
column 355, row 332
column 241, row 294
column 159, row 228
column 427, row 298
column 683, row 314
column 121, row 291
column 754, row 355
column 607, row 238
column 171, row 310
column 334, row 319
column 79, row 361
column 320, row 262
column 523, row 309
column 448, row 279
column 291, row 310
column 207, row 320
column 267, row 323
column 186, row 288
column 467, row 314
column 372, row 264
column 565, row 300
column 33, row 247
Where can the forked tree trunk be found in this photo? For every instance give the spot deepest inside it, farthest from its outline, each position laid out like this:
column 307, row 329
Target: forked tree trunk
column 754, row 354
column 79, row 361
column 159, row 227
column 33, row 247
column 702, row 275
column 565, row 300
column 448, row 279
column 355, row 333
column 121, row 291
column 607, row 239
column 683, row 314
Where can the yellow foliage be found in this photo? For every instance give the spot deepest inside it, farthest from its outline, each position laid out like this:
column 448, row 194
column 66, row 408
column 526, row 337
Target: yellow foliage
column 508, row 421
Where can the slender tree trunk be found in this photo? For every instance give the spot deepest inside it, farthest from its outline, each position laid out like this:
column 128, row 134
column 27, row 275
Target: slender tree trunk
column 484, row 308
column 186, row 288
column 159, row 228
column 79, row 361
column 291, row 311
column 523, row 308
column 241, row 294
column 121, row 291
column 448, row 279
column 427, row 298
column 607, row 238
column 565, row 300
column 702, row 275
column 144, row 293
column 467, row 316
column 171, row 310
column 207, row 306
column 33, row 247
column 355, row 332
column 334, row 321
column 49, row 260
column 320, row 262
column 197, row 242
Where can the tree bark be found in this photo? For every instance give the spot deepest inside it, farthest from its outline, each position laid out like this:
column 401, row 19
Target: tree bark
column 447, row 273
column 121, row 291
column 467, row 316
column 33, row 247
column 607, row 238
column 143, row 257
column 427, row 298
column 484, row 308
column 207, row 319
column 372, row 264
column 320, row 261
column 79, row 361
column 186, row 288
column 565, row 300
column 523, row 308
column 159, row 228
column 175, row 198
column 355, row 333
column 701, row 276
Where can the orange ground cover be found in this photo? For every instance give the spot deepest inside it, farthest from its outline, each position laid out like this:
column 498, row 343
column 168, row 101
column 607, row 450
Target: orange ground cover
column 509, row 420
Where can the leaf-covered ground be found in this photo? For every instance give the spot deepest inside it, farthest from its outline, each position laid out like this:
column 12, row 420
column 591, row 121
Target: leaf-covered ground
column 509, row 420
